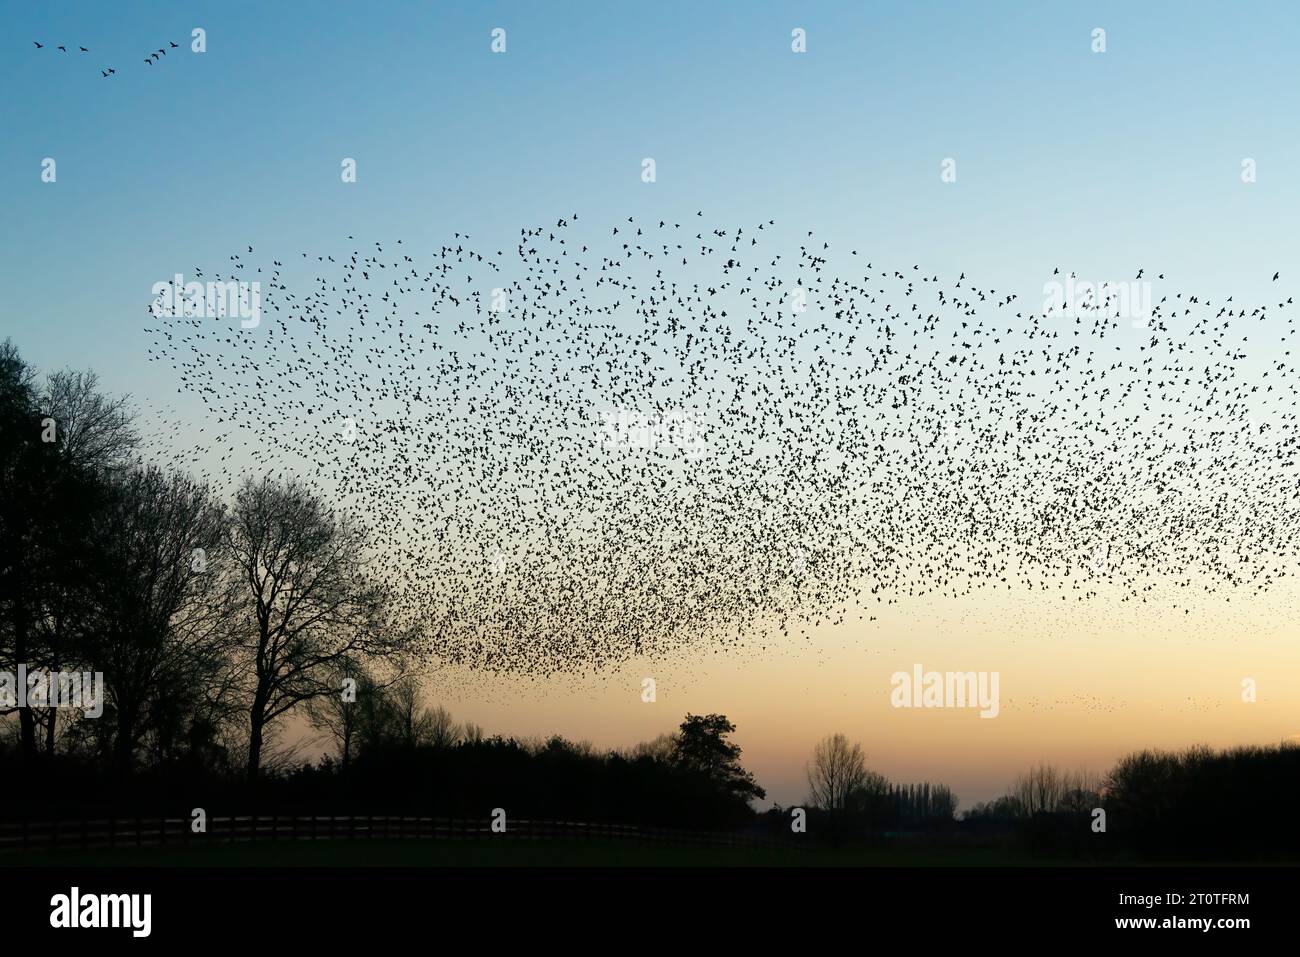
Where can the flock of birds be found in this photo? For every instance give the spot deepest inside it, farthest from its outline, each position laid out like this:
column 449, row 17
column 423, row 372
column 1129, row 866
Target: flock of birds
column 109, row 71
column 511, row 425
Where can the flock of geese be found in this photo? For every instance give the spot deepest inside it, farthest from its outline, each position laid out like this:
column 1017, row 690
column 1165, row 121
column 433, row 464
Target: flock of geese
column 106, row 72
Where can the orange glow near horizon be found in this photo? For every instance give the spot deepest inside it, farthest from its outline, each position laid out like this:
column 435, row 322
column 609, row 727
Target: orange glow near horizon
column 1081, row 684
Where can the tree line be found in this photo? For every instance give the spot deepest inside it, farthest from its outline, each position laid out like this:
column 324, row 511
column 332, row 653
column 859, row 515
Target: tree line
column 850, row 801
column 215, row 618
column 1197, row 803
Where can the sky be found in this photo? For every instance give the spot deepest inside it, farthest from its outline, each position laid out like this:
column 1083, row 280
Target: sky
column 1102, row 161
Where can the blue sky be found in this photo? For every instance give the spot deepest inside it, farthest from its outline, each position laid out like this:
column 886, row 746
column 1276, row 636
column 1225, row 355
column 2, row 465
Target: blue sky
column 1102, row 161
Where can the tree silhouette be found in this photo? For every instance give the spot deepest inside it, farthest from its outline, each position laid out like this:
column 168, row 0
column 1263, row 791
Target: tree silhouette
column 340, row 715
column 702, row 748
column 837, row 773
column 309, row 602
column 60, row 441
column 162, row 625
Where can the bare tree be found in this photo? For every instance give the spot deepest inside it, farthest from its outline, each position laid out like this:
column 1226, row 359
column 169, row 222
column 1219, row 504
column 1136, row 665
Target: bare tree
column 1039, row 790
column 58, row 442
column 441, row 730
column 661, row 749
column 161, row 623
column 94, row 430
column 309, row 601
column 471, row 733
column 1081, row 791
column 412, row 723
column 340, row 714
column 837, row 774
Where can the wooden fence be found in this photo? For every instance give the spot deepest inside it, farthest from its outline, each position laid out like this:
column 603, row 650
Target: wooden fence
column 17, row 837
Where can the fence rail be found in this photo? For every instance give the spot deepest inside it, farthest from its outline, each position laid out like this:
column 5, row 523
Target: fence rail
column 17, row 837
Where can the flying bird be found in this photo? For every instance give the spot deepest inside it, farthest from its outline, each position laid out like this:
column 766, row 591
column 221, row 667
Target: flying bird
column 641, row 446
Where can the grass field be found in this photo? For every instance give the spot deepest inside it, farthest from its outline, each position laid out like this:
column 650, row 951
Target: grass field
column 506, row 853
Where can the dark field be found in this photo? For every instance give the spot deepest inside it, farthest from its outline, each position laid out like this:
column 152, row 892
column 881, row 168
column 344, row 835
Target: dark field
column 488, row 853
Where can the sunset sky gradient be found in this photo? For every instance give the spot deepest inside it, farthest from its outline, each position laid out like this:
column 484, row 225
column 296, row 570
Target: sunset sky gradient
column 1100, row 163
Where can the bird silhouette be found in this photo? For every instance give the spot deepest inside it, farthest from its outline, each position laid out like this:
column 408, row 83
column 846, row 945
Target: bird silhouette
column 602, row 441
